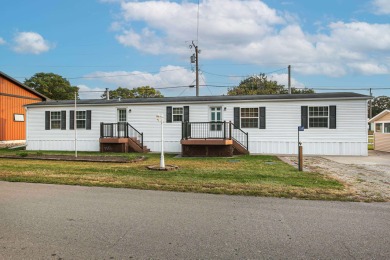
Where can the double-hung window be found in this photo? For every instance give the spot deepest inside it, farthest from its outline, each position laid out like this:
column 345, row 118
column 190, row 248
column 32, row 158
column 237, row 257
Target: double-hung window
column 55, row 120
column 177, row 114
column 81, row 118
column 318, row 117
column 250, row 117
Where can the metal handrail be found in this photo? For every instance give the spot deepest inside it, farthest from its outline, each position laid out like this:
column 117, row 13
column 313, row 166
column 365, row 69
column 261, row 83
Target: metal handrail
column 214, row 130
column 121, row 130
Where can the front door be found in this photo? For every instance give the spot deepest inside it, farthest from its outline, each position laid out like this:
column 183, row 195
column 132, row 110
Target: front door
column 215, row 116
column 122, row 122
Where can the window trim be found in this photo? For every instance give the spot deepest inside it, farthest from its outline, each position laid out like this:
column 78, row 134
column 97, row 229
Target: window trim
column 173, row 114
column 257, row 118
column 310, row 117
column 56, row 120
column 85, row 119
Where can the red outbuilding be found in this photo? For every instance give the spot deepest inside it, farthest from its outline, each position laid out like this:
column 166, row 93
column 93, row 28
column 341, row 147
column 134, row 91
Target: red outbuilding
column 13, row 96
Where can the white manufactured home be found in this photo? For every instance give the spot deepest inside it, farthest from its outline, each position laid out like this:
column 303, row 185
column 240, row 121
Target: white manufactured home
column 335, row 124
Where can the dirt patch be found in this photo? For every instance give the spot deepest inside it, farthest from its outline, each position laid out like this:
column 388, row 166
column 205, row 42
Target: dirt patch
column 110, row 159
column 367, row 182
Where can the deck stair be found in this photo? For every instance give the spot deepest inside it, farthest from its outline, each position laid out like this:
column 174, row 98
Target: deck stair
column 121, row 137
column 213, row 139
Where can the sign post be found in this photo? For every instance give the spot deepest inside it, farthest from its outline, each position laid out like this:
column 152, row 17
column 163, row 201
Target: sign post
column 300, row 149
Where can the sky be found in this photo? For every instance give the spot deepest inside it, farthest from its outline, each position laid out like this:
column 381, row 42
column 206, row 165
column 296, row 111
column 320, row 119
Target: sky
column 332, row 45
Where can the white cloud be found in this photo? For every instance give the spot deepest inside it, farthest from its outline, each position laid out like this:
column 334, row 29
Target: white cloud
column 250, row 31
column 31, row 42
column 381, row 7
column 167, row 77
column 283, row 80
column 2, row 41
column 90, row 93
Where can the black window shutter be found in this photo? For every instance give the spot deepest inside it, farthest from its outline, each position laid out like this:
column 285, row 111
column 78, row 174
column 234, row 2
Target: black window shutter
column 169, row 115
column 262, row 117
column 71, row 120
column 89, row 117
column 63, row 120
column 47, row 120
column 304, row 117
column 186, row 114
column 237, row 117
column 332, row 117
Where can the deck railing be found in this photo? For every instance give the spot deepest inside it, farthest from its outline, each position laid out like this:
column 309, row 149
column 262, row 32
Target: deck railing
column 121, row 130
column 214, row 130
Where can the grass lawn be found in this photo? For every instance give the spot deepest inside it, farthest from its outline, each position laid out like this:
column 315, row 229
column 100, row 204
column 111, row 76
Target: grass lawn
column 243, row 175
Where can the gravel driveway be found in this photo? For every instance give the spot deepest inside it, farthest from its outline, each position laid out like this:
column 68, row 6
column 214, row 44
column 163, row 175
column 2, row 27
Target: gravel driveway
column 368, row 177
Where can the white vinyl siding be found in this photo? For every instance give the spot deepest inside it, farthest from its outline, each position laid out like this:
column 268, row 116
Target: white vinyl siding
column 280, row 136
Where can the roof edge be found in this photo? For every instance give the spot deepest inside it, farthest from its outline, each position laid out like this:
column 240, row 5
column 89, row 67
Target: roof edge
column 23, row 86
column 205, row 99
column 381, row 114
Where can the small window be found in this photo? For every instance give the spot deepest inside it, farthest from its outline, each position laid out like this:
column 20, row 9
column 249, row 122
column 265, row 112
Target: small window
column 18, row 117
column 250, row 117
column 386, row 127
column 81, row 118
column 318, row 117
column 378, row 127
column 55, row 120
column 177, row 114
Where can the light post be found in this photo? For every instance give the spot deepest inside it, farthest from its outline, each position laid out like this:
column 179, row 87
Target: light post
column 75, row 124
column 160, row 118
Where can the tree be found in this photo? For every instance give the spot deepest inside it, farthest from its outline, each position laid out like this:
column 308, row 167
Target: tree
column 140, row 92
column 379, row 104
column 261, row 85
column 52, row 86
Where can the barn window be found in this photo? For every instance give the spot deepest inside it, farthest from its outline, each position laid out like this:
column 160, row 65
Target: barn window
column 55, row 120
column 250, row 117
column 318, row 117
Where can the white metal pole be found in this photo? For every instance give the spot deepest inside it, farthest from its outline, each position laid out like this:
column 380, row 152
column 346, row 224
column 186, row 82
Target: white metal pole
column 75, row 124
column 162, row 159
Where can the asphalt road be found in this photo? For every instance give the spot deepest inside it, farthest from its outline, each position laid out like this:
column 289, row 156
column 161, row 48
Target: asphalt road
column 40, row 221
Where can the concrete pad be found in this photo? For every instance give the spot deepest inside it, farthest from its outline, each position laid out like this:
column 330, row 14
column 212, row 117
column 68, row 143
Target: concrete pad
column 373, row 158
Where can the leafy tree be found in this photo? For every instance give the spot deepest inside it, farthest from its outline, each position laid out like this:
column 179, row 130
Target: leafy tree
column 52, row 85
column 140, row 92
column 261, row 85
column 119, row 92
column 379, row 104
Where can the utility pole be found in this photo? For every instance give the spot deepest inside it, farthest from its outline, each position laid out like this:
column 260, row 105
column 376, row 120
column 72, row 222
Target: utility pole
column 370, row 104
column 196, row 60
column 289, row 79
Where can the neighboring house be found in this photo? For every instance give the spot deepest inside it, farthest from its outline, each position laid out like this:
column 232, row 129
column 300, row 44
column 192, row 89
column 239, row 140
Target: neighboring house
column 381, row 130
column 13, row 96
column 335, row 124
